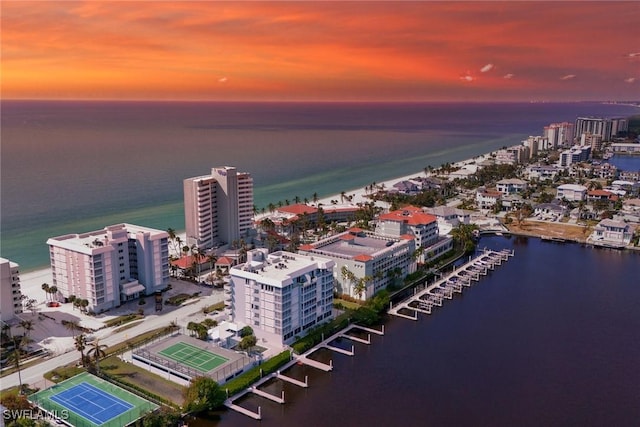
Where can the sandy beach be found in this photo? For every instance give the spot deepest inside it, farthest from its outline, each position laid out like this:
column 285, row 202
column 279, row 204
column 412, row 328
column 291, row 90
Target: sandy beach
column 51, row 334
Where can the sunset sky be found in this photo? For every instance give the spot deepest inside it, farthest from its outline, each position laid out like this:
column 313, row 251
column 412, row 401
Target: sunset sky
column 351, row 51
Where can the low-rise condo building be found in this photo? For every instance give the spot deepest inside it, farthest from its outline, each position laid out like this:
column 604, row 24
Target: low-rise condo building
column 10, row 295
column 281, row 295
column 365, row 262
column 110, row 266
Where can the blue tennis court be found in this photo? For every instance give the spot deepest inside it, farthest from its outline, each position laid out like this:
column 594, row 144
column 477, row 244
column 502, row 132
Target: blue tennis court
column 91, row 403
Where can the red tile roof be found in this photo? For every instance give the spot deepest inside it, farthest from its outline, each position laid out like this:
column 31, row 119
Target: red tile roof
column 407, row 237
column 347, row 237
column 599, row 193
column 355, row 230
column 362, row 258
column 187, row 261
column 410, row 215
column 298, row 209
column 307, row 247
column 224, row 261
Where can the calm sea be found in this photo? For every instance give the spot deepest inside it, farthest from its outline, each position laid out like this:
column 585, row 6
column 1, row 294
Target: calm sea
column 71, row 167
column 551, row 338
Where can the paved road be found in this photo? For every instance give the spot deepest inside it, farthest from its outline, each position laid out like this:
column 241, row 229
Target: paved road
column 34, row 374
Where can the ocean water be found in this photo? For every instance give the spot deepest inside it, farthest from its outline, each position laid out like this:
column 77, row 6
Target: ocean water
column 538, row 342
column 71, row 167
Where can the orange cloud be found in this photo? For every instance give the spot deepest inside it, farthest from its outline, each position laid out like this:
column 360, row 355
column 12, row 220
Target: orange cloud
column 314, row 50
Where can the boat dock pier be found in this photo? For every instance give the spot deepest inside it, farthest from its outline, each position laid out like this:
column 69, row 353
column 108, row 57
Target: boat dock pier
column 423, row 301
column 301, row 359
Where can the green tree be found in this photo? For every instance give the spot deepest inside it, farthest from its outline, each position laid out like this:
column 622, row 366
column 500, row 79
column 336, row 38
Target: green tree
column 245, row 332
column 203, row 394
column 248, row 342
column 15, row 355
column 463, row 237
column 14, row 404
column 80, row 343
column 97, row 351
column 163, row 417
column 45, row 288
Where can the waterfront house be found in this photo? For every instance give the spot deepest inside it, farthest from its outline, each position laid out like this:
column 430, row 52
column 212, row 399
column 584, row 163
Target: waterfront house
column 548, row 210
column 449, row 215
column 611, row 233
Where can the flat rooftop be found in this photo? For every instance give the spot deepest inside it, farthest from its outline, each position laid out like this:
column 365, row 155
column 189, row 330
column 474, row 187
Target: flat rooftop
column 352, row 245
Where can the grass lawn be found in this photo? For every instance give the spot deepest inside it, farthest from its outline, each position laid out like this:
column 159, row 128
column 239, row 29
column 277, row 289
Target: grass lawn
column 138, row 339
column 64, row 372
column 129, row 373
column 350, row 305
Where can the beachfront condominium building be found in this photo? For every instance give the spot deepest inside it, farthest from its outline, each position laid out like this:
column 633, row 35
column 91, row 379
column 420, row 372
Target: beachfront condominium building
column 577, row 154
column 218, row 208
column 365, row 262
column 10, row 295
column 558, row 135
column 110, row 266
column 608, row 128
column 281, row 295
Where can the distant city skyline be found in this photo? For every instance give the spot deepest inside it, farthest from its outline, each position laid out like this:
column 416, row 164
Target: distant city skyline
column 321, row 51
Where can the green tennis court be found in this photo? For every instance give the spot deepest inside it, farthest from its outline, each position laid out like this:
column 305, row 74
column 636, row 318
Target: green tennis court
column 194, row 357
column 87, row 401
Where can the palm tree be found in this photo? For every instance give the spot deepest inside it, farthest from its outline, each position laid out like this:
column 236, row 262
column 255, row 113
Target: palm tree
column 97, row 351
column 45, row 288
column 53, row 290
column 315, row 197
column 73, row 326
column 15, row 355
column 80, row 342
column 342, row 196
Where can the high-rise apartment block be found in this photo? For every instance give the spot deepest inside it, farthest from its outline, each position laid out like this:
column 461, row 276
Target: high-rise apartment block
column 608, row 128
column 281, row 295
column 110, row 266
column 218, row 208
column 10, row 296
column 559, row 135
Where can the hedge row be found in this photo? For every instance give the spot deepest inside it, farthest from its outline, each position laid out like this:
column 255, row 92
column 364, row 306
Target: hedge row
column 253, row 375
column 315, row 336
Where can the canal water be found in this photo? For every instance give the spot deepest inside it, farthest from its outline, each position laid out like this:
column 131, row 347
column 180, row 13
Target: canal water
column 550, row 338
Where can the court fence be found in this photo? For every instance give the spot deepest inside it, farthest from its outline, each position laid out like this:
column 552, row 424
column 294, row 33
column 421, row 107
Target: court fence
column 57, row 412
column 220, row 375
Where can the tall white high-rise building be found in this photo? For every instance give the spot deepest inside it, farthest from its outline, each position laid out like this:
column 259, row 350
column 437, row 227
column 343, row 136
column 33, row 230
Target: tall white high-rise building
column 281, row 295
column 10, row 296
column 558, row 134
column 607, row 127
column 218, row 208
column 110, row 266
